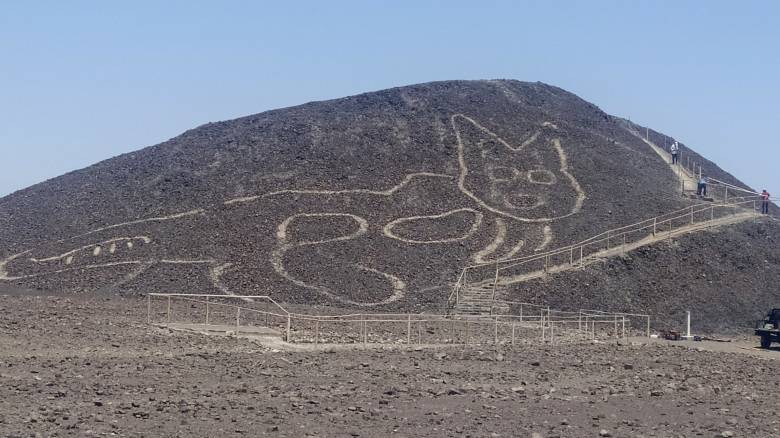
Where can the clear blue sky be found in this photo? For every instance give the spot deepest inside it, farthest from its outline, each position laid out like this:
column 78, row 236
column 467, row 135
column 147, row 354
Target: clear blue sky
column 85, row 81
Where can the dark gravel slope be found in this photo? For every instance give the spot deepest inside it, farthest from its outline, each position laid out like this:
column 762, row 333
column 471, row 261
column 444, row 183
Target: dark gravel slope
column 373, row 200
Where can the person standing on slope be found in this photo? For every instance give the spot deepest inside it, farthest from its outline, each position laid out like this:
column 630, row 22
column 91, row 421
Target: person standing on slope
column 674, row 149
column 764, row 202
column 702, row 189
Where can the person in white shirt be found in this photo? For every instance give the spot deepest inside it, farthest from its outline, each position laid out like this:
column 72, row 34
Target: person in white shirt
column 675, row 149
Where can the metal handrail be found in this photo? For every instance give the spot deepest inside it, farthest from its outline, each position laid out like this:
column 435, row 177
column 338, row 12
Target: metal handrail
column 625, row 231
column 620, row 232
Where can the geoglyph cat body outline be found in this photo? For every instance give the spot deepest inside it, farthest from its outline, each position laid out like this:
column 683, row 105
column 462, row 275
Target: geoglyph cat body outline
column 503, row 216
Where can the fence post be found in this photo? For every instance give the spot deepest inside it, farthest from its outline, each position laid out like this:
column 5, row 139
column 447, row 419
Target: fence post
column 624, row 326
column 207, row 310
column 655, row 219
column 624, row 243
column 289, row 332
column 521, row 312
column 169, row 309
column 495, row 331
column 409, row 330
column 454, row 332
column 552, row 331
column 581, row 256
column 579, row 320
column 317, row 331
column 648, row 326
column 616, row 327
column 571, row 257
column 148, row 309
column 691, row 214
column 495, row 286
column 712, row 214
column 513, row 332
column 238, row 318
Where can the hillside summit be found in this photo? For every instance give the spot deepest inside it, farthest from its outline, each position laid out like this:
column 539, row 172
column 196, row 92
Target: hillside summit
column 374, row 201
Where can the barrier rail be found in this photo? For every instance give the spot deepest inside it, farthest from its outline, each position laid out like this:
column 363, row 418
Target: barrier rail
column 543, row 325
column 601, row 244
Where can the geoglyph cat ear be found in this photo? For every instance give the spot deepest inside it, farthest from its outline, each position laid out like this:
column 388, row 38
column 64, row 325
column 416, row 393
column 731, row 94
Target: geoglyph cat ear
column 471, row 134
column 545, row 155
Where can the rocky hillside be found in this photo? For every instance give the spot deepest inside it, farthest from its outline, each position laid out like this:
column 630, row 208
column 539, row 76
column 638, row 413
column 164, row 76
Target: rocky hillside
column 375, row 200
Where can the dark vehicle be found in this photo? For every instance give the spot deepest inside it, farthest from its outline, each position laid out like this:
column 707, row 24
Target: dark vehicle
column 769, row 328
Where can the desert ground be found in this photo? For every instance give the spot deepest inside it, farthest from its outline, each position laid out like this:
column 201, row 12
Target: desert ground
column 89, row 365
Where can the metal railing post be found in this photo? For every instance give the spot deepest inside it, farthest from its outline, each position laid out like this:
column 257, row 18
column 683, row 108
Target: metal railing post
column 148, row 309
column 238, row 318
column 691, row 214
column 169, row 309
column 289, row 330
column 648, row 326
column 317, row 331
column 513, row 333
column 207, row 310
column 655, row 219
column 624, row 327
column 552, row 331
column 495, row 286
column 616, row 326
column 409, row 329
column 581, row 261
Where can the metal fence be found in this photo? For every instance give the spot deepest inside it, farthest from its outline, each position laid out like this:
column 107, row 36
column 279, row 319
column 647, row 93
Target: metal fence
column 246, row 313
column 615, row 240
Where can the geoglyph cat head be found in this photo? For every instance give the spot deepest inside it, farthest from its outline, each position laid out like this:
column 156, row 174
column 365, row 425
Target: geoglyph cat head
column 529, row 182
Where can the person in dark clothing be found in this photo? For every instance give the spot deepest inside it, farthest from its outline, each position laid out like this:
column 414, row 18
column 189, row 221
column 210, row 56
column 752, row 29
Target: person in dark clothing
column 702, row 187
column 764, row 202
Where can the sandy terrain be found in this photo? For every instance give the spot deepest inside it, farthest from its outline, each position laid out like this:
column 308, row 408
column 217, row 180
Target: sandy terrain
column 91, row 366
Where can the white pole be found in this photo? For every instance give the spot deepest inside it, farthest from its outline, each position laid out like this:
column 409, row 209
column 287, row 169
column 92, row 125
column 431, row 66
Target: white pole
column 689, row 324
